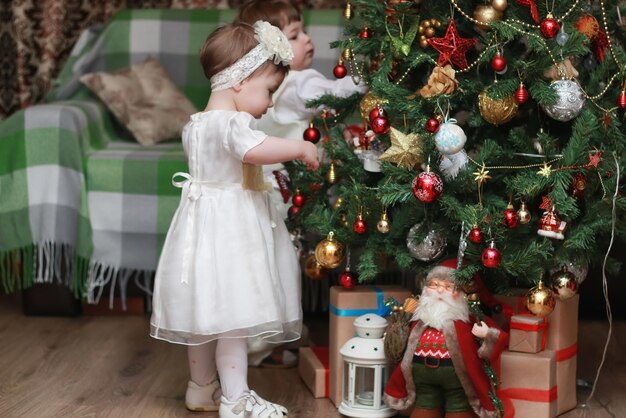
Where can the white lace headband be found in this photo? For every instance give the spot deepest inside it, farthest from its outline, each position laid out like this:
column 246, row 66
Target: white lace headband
column 272, row 43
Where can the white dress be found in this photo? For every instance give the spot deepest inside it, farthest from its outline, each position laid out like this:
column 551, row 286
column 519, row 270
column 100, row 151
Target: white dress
column 228, row 267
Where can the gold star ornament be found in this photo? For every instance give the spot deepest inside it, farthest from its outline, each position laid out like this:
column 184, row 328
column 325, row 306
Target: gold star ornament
column 405, row 150
column 545, row 171
column 481, row 176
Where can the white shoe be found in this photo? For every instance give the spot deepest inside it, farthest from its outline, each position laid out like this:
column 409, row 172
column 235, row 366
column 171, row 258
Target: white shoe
column 251, row 405
column 203, row 398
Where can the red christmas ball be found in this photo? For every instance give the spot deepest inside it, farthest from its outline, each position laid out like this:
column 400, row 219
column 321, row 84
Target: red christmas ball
column 491, row 256
column 498, row 63
column 375, row 112
column 348, row 279
column 297, row 199
column 359, row 226
column 311, row 134
column 340, row 70
column 292, row 212
column 521, row 94
column 380, row 125
column 510, row 217
column 549, row 28
column 432, row 125
column 475, row 235
column 621, row 99
column 427, row 186
column 365, row 33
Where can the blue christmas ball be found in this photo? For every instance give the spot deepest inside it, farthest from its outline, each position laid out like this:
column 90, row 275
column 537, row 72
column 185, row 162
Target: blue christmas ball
column 450, row 138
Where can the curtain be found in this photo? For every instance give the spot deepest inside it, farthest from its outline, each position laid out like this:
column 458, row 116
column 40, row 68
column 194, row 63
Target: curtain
column 36, row 36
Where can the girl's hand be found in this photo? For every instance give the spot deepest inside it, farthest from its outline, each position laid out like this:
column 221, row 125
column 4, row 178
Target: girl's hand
column 309, row 155
column 481, row 330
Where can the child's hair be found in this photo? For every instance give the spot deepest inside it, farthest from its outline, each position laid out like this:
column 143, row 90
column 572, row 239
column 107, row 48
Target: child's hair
column 279, row 13
column 226, row 45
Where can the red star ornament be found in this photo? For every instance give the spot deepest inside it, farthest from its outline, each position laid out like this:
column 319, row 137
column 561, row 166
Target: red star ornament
column 546, row 203
column 452, row 47
column 594, row 159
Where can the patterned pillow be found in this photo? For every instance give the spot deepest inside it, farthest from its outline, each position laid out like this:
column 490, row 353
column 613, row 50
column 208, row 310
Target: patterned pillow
column 144, row 99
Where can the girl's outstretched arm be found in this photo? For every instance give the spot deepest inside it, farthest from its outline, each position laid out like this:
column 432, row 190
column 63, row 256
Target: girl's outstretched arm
column 278, row 150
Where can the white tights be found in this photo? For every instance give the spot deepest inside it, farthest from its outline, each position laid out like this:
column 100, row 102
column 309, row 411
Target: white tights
column 227, row 357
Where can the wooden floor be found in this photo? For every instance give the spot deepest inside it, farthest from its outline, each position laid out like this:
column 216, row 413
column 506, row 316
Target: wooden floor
column 108, row 366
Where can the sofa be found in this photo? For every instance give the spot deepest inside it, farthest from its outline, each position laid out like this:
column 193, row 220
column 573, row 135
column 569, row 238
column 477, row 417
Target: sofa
column 82, row 203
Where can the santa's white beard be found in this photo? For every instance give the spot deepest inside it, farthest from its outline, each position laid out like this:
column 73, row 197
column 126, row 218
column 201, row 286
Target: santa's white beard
column 435, row 309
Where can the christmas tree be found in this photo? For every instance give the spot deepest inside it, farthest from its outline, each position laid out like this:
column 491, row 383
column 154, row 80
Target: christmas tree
column 490, row 130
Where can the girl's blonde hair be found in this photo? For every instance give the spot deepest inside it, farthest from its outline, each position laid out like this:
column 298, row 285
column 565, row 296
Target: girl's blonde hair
column 226, row 45
column 279, row 13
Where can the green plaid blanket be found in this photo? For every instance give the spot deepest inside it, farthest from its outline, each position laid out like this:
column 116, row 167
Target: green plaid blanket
column 81, row 202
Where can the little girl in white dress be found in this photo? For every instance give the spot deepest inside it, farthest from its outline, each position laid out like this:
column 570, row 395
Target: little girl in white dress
column 228, row 269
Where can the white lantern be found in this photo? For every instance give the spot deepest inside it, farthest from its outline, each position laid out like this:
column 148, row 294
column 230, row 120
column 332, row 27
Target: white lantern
column 366, row 370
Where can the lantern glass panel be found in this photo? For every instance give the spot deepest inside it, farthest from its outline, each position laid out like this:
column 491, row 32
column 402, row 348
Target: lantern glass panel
column 364, row 386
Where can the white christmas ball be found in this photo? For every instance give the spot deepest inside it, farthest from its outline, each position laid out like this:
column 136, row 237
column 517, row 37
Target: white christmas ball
column 569, row 103
column 450, row 138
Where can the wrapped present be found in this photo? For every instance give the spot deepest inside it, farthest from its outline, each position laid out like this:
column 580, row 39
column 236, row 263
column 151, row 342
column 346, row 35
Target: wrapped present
column 528, row 383
column 563, row 339
column 528, row 334
column 345, row 306
column 313, row 369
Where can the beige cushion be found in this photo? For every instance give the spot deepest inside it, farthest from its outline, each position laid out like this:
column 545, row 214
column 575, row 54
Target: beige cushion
column 144, row 99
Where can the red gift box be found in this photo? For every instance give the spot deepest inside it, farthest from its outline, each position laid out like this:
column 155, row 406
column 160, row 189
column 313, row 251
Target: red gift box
column 313, row 369
column 527, row 334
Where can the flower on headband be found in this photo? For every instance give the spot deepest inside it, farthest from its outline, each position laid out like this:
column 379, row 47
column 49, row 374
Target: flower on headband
column 275, row 41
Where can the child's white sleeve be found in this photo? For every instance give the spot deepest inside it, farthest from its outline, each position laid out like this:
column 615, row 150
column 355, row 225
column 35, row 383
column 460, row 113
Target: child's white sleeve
column 310, row 84
column 240, row 136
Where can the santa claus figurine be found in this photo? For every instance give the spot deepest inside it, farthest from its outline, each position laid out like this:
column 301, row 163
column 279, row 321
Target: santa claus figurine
column 441, row 372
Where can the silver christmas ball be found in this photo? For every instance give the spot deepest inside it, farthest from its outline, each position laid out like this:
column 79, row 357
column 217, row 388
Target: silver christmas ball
column 430, row 247
column 569, row 103
column 562, row 37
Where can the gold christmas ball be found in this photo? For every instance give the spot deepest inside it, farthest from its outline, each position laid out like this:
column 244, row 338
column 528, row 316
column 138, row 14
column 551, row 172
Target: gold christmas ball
column 420, row 29
column 338, row 203
column 331, row 175
column 329, row 252
column 564, row 284
column 383, row 224
column 347, row 12
column 486, row 14
column 423, row 43
column 540, row 300
column 435, row 23
column 426, row 23
column 368, row 103
column 312, row 269
column 347, row 54
column 429, row 32
column 472, row 297
column 496, row 111
column 499, row 5
column 524, row 214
